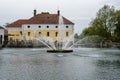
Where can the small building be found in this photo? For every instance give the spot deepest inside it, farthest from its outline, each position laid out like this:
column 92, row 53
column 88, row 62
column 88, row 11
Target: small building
column 1, row 36
column 40, row 25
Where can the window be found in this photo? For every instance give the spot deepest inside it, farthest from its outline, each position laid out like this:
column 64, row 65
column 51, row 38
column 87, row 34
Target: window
column 28, row 26
column 48, row 34
column 28, row 33
column 47, row 26
column 67, row 34
column 1, row 39
column 56, row 34
column 20, row 32
column 56, row 26
column 67, row 26
column 39, row 33
column 39, row 26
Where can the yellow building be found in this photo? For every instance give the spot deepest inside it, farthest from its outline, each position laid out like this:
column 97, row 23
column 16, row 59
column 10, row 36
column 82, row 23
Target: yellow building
column 41, row 26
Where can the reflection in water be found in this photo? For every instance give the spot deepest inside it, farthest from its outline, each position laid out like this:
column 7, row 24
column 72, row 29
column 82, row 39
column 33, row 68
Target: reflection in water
column 108, row 63
column 82, row 64
column 108, row 69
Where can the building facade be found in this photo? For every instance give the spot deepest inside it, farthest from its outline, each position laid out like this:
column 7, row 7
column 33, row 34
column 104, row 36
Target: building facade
column 1, row 36
column 40, row 25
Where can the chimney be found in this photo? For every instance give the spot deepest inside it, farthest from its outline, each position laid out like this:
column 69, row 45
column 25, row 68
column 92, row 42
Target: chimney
column 58, row 12
column 35, row 12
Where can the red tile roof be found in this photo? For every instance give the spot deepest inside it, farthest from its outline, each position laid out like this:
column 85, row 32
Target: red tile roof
column 17, row 23
column 1, row 27
column 47, row 19
column 40, row 19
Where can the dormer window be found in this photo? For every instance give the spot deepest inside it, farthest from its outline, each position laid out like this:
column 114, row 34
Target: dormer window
column 56, row 26
column 47, row 26
column 67, row 26
column 28, row 26
column 39, row 26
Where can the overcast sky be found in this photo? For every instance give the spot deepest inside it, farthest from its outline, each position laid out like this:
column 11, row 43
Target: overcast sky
column 78, row 11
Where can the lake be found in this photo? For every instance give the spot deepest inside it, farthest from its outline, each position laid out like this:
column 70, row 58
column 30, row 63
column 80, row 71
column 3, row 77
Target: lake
column 82, row 64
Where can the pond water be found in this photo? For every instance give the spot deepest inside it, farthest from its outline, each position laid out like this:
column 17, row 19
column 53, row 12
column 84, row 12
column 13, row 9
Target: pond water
column 82, row 64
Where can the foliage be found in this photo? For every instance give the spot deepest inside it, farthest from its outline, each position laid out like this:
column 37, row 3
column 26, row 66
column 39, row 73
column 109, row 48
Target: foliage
column 117, row 30
column 107, row 17
column 45, row 13
column 105, row 24
column 88, row 31
column 76, row 35
column 92, row 39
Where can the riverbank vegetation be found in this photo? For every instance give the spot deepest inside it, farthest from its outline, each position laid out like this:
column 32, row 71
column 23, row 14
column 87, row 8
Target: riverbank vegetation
column 106, row 25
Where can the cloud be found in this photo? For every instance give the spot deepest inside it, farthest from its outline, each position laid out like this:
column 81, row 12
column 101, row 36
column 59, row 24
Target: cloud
column 79, row 11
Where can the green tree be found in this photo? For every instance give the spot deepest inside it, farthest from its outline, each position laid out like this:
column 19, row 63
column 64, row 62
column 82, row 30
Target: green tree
column 117, row 30
column 76, row 37
column 104, row 24
column 108, row 20
column 98, row 28
column 88, row 31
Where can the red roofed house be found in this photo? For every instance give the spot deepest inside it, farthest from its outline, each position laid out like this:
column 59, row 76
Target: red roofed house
column 40, row 25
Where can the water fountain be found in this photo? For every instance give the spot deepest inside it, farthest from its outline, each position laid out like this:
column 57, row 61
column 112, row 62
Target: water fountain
column 61, row 44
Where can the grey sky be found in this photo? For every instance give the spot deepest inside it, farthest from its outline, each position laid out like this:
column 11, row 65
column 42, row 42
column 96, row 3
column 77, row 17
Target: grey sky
column 79, row 11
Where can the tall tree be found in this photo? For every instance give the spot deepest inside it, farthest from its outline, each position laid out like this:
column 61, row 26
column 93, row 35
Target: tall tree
column 117, row 30
column 98, row 28
column 76, row 37
column 89, row 31
column 107, row 18
column 104, row 24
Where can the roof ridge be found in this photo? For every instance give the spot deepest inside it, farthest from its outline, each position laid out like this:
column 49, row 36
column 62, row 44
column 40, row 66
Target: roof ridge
column 40, row 19
column 2, row 27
